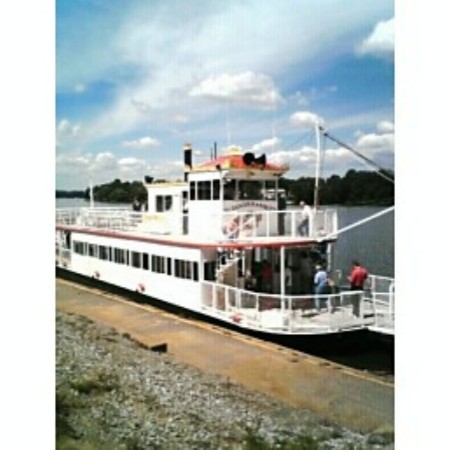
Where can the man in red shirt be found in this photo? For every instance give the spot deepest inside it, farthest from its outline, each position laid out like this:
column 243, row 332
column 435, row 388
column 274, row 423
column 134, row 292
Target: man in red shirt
column 357, row 277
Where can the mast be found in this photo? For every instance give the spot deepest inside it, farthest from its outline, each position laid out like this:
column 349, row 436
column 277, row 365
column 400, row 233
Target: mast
column 316, row 186
column 91, row 194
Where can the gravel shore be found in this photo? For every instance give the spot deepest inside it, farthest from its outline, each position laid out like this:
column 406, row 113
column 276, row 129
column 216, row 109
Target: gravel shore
column 111, row 393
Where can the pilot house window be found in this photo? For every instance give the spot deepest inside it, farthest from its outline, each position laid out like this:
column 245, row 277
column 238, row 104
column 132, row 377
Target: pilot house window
column 163, row 203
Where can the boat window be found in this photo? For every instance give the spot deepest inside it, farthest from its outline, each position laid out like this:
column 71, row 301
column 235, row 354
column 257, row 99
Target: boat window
column 119, row 256
column 78, row 247
column 92, row 250
column 136, row 259
column 169, row 266
column 163, row 203
column 195, row 277
column 186, row 269
column 158, row 263
column 209, row 270
column 229, row 189
column 192, row 195
column 145, row 261
column 250, row 190
column 204, row 190
column 216, row 189
column 103, row 252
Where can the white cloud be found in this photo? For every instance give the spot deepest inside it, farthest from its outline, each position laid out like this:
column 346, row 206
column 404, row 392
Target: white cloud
column 142, row 143
column 381, row 41
column 301, row 159
column 305, row 119
column 305, row 98
column 267, row 145
column 247, row 89
column 67, row 129
column 385, row 127
column 375, row 142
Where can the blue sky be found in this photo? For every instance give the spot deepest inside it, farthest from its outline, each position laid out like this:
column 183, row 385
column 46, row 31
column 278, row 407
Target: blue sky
column 136, row 80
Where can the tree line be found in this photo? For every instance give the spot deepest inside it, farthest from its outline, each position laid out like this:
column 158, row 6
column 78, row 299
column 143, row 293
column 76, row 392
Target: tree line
column 355, row 188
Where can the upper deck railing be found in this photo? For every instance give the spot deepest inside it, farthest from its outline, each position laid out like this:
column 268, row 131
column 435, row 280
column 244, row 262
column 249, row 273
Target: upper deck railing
column 243, row 225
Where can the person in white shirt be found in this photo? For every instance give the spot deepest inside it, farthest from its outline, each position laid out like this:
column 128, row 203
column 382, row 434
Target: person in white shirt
column 305, row 215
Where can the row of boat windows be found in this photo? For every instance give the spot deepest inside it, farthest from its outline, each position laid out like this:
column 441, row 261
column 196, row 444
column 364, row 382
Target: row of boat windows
column 204, row 190
column 180, row 268
column 232, row 189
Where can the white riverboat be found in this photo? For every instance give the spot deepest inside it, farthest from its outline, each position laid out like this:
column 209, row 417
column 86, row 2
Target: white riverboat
column 216, row 243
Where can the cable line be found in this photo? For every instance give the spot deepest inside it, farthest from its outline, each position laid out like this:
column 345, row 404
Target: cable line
column 381, row 171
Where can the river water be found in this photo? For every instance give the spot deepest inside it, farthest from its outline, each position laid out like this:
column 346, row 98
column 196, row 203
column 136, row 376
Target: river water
column 372, row 243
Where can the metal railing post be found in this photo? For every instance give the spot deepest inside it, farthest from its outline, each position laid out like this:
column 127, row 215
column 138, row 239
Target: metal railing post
column 391, row 300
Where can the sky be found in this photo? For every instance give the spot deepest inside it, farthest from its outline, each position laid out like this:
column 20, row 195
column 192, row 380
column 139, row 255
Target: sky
column 136, row 80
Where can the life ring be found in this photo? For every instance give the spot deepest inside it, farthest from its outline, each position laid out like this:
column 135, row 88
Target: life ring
column 232, row 227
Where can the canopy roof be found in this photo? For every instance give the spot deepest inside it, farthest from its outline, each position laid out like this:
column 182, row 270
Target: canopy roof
column 237, row 161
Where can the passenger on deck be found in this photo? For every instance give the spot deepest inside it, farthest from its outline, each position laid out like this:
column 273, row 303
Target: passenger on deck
column 357, row 277
column 305, row 216
column 321, row 286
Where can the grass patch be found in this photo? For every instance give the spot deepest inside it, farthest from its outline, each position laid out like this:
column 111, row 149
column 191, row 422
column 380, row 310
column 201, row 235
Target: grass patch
column 255, row 442
column 95, row 384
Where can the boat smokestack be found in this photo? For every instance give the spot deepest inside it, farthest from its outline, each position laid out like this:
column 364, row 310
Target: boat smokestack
column 187, row 159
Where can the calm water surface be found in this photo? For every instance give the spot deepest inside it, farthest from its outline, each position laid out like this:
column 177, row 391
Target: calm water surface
column 372, row 243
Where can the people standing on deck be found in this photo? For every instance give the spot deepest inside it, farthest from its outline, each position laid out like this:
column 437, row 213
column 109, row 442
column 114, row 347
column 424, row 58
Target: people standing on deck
column 321, row 285
column 357, row 278
column 305, row 216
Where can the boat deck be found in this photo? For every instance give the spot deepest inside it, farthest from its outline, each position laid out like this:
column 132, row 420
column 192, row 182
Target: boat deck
column 264, row 228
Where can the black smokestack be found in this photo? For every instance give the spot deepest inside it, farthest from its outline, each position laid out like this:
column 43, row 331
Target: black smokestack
column 187, row 160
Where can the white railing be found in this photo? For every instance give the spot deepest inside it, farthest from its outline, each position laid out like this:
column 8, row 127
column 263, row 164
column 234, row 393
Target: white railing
column 287, row 314
column 234, row 225
column 62, row 256
column 101, row 217
column 250, row 224
column 381, row 296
